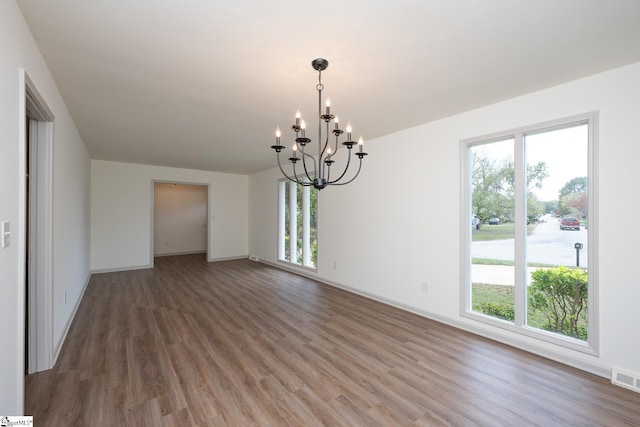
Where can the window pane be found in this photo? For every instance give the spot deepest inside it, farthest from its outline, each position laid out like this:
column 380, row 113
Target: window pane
column 492, row 236
column 297, row 224
column 299, row 230
column 557, row 245
column 313, row 226
column 287, row 223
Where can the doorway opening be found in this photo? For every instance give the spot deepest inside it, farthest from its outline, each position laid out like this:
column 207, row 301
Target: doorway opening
column 180, row 219
column 38, row 146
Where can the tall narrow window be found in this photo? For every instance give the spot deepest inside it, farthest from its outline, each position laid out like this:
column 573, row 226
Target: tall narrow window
column 493, row 208
column 557, row 250
column 530, row 227
column 297, row 242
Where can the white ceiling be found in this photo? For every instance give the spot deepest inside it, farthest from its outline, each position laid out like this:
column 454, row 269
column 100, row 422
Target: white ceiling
column 202, row 84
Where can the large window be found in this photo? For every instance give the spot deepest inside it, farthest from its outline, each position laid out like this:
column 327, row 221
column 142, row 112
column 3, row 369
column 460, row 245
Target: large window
column 530, row 229
column 297, row 230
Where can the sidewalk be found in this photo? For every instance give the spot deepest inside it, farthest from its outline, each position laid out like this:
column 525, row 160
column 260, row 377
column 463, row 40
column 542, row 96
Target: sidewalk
column 496, row 274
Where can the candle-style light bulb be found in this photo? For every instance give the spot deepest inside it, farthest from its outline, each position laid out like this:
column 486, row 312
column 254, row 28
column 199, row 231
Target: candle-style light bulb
column 278, row 134
column 335, row 120
column 328, row 151
column 295, row 150
column 360, row 143
column 303, row 126
column 348, row 131
column 298, row 115
column 328, row 104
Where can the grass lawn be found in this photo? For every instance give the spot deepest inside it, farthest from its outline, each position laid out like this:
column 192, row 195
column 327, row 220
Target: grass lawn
column 483, row 293
column 491, row 261
column 499, row 294
column 497, row 232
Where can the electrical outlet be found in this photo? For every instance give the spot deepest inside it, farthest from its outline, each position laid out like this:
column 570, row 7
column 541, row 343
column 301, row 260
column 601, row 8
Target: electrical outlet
column 425, row 287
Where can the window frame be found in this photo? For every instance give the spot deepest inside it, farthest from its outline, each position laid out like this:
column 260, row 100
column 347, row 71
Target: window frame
column 285, row 186
column 591, row 345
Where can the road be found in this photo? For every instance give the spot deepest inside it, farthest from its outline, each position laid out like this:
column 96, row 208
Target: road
column 547, row 244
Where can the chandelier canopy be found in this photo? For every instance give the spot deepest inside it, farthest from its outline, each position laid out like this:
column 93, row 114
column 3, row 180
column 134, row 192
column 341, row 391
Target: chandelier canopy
column 317, row 165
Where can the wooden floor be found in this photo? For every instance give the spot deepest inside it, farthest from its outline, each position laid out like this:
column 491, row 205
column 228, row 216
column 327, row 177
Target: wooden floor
column 238, row 343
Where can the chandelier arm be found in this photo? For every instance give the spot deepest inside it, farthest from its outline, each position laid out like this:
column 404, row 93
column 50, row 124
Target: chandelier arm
column 326, row 141
column 329, row 156
column 337, row 137
column 347, row 182
column 284, row 173
column 346, row 168
column 300, row 182
column 304, row 163
column 296, row 180
column 295, row 175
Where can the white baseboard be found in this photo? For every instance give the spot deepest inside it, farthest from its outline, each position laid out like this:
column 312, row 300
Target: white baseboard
column 67, row 326
column 232, row 258
column 179, row 253
column 115, row 270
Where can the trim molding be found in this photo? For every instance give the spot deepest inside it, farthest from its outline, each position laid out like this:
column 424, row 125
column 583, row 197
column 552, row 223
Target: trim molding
column 232, row 258
column 36, row 149
column 179, row 253
column 116, row 269
column 58, row 347
column 148, row 266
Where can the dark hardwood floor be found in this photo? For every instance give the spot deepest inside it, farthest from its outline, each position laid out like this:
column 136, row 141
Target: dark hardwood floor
column 239, row 343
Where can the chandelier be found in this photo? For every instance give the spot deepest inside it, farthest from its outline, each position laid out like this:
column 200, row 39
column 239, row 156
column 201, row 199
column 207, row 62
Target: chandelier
column 317, row 165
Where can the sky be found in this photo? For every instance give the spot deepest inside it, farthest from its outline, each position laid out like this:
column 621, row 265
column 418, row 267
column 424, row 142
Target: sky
column 565, row 152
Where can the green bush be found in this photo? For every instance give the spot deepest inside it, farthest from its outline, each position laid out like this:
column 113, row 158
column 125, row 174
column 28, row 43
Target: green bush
column 560, row 294
column 502, row 311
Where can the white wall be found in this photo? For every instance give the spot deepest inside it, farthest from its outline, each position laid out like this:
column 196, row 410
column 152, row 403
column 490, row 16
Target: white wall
column 70, row 203
column 121, row 213
column 398, row 224
column 180, row 218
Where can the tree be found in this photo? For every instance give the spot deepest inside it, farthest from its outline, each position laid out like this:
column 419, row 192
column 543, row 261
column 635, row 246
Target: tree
column 493, row 187
column 535, row 208
column 578, row 202
column 550, row 206
column 574, row 196
column 536, row 174
column 575, row 185
column 489, row 180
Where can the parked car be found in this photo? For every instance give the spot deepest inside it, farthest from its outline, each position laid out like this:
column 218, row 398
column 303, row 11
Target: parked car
column 494, row 221
column 569, row 223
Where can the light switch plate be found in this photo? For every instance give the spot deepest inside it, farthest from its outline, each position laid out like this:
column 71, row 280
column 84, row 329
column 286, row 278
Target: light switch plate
column 6, row 233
